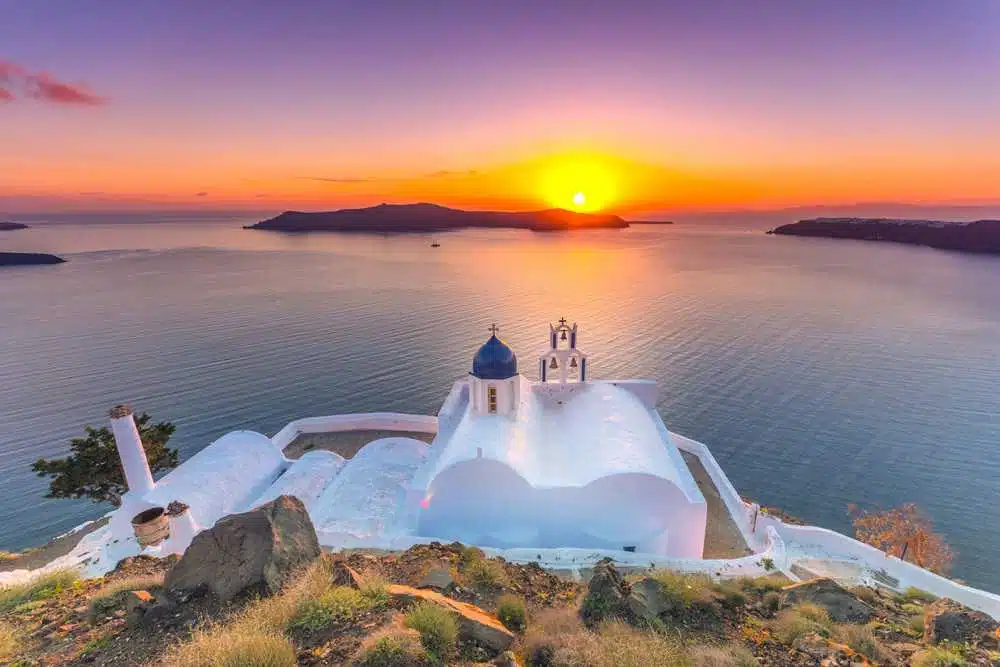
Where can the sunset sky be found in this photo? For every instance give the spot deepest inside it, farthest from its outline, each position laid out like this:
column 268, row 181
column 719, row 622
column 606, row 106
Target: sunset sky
column 643, row 106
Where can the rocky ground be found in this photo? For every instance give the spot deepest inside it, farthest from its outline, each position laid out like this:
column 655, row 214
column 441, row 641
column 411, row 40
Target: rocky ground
column 256, row 590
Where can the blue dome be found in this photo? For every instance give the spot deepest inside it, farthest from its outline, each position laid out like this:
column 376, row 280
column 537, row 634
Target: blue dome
column 494, row 361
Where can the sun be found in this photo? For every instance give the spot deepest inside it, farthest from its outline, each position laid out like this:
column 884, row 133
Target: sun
column 577, row 184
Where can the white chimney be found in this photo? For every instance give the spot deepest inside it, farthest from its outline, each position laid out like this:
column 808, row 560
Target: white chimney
column 130, row 451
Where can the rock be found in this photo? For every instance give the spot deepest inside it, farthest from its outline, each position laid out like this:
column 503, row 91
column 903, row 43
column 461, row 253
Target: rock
column 646, row 600
column 474, row 624
column 438, row 579
column 948, row 620
column 507, row 659
column 143, row 608
column 249, row 553
column 607, row 594
column 343, row 574
column 137, row 599
column 840, row 603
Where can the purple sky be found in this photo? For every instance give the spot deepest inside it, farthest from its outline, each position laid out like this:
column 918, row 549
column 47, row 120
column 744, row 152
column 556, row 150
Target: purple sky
column 786, row 101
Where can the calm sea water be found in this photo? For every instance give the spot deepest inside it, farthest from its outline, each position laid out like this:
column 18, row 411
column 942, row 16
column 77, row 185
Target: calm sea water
column 819, row 372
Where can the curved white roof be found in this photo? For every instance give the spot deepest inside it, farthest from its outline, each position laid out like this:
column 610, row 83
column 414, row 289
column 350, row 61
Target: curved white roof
column 566, row 436
column 223, row 478
column 363, row 500
column 306, row 478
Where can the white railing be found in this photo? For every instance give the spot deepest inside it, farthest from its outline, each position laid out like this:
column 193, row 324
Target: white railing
column 361, row 421
column 829, row 544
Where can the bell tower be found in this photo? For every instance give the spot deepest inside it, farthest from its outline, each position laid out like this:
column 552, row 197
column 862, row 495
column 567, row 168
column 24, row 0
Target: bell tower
column 562, row 362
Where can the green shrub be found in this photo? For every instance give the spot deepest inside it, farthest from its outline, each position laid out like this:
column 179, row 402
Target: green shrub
column 375, row 589
column 916, row 624
column 512, row 612
column 42, row 587
column 764, row 584
column 438, row 630
column 771, row 602
column 392, row 649
column 912, row 594
column 768, row 563
column 913, row 608
column 685, row 589
column 800, row 620
column 338, row 604
column 469, row 555
column 730, row 655
column 938, row 656
column 486, row 573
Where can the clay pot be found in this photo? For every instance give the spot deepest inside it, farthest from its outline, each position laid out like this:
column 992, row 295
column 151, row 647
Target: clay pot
column 151, row 526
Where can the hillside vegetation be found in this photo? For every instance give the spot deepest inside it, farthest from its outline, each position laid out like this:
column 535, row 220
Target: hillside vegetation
column 449, row 604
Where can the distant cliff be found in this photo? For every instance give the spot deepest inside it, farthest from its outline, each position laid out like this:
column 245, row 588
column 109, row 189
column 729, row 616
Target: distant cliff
column 28, row 258
column 982, row 236
column 11, row 226
column 433, row 218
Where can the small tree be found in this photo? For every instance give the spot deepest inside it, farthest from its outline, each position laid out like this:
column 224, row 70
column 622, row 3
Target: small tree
column 93, row 469
column 904, row 532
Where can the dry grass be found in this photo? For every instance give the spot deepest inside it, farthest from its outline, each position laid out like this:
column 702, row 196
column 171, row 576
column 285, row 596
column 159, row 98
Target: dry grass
column 10, row 642
column 861, row 638
column 728, row 655
column 557, row 638
column 6, row 555
column 438, row 630
column 42, row 587
column 265, row 618
column 392, row 648
column 113, row 595
column 791, row 624
column 237, row 648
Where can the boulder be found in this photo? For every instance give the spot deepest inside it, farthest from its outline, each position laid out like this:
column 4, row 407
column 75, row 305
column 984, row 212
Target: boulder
column 474, row 624
column 646, row 599
column 840, row 603
column 438, row 579
column 607, row 594
column 948, row 620
column 249, row 553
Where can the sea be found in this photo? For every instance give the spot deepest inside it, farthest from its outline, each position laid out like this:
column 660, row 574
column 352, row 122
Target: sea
column 821, row 373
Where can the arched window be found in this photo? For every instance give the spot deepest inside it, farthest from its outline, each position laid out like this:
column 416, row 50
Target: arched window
column 553, row 365
column 491, row 399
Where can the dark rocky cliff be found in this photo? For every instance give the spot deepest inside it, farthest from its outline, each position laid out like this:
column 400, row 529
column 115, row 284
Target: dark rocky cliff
column 981, row 236
column 433, row 218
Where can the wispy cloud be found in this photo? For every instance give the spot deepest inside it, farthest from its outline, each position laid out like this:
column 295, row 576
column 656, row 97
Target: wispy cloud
column 43, row 87
column 342, row 179
column 201, row 194
column 444, row 173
